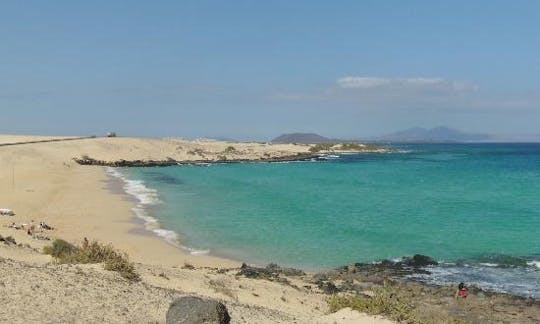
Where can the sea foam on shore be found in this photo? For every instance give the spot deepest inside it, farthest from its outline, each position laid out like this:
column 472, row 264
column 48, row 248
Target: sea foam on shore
column 145, row 198
column 519, row 277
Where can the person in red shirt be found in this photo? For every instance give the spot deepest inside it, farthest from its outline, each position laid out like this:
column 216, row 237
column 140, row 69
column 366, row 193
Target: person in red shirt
column 462, row 291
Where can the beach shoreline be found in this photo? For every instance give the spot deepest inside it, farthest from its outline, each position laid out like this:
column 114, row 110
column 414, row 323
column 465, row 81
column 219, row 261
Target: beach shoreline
column 41, row 182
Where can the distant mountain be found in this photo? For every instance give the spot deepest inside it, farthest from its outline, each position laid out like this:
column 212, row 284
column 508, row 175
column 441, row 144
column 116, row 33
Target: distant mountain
column 438, row 134
column 302, row 138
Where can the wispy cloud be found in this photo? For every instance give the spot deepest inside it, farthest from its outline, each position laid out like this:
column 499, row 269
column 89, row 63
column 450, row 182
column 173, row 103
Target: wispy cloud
column 404, row 84
column 368, row 92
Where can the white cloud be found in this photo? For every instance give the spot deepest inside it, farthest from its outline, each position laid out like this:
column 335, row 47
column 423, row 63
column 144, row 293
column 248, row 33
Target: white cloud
column 394, row 93
column 404, row 84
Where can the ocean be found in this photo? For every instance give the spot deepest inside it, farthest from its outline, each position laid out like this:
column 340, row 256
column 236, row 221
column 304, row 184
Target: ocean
column 475, row 208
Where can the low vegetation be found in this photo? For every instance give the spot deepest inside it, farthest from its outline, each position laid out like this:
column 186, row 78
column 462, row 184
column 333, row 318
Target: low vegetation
column 352, row 147
column 321, row 147
column 197, row 151
column 95, row 252
column 230, row 149
column 385, row 301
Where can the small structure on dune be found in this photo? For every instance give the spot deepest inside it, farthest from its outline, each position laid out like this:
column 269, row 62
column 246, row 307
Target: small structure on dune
column 111, row 134
column 6, row 212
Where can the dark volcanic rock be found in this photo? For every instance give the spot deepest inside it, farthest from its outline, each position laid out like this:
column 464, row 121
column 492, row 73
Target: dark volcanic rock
column 328, row 287
column 379, row 271
column 170, row 162
column 418, row 261
column 274, row 268
column 271, row 271
column 254, row 272
column 195, row 310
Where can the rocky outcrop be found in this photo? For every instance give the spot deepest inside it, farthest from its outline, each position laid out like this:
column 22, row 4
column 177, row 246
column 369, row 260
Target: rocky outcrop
column 389, row 268
column 418, row 261
column 195, row 310
column 124, row 163
column 163, row 163
column 271, row 271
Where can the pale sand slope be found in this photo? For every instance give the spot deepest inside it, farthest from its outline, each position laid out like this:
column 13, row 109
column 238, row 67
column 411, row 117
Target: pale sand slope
column 40, row 182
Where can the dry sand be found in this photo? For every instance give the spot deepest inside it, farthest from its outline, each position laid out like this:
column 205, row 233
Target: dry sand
column 40, row 181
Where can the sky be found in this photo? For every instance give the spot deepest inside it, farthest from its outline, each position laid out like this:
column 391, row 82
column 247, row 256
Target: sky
column 257, row 69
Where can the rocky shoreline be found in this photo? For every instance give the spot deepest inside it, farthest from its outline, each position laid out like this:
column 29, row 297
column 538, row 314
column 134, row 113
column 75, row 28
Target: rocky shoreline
column 428, row 303
column 171, row 162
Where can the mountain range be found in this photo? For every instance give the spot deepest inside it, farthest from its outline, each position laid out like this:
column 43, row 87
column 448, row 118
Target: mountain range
column 435, row 135
column 439, row 134
column 302, row 138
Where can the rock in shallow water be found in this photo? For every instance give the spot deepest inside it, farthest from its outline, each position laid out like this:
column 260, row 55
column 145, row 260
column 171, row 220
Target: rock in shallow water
column 195, row 310
column 419, row 260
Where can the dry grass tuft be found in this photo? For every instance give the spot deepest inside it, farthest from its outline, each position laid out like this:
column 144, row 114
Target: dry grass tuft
column 113, row 260
column 385, row 301
column 220, row 286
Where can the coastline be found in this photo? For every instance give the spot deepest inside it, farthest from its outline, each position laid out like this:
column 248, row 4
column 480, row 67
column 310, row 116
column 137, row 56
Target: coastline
column 147, row 225
column 41, row 182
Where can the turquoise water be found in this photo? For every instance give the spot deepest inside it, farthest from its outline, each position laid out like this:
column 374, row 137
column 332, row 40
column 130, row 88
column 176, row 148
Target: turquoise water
column 467, row 205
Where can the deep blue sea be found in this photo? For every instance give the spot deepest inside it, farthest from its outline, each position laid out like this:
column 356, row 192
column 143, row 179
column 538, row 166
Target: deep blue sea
column 473, row 207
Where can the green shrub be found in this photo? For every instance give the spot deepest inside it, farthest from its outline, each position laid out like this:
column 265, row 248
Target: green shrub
column 95, row 252
column 60, row 249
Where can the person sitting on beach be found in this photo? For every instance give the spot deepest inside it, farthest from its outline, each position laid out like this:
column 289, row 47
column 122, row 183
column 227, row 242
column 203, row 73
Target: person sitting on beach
column 462, row 291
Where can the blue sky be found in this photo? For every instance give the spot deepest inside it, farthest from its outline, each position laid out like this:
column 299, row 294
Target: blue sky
column 255, row 69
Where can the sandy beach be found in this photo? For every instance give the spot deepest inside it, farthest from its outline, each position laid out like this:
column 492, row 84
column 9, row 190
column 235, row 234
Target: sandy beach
column 41, row 182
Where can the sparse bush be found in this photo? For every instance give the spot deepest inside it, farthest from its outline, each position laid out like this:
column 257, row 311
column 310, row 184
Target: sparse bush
column 220, row 286
column 385, row 301
column 196, row 151
column 113, row 260
column 119, row 262
column 60, row 249
column 230, row 149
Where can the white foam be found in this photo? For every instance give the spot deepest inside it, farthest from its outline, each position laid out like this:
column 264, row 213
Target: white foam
column 146, row 197
column 533, row 264
column 486, row 264
column 168, row 235
column 197, row 252
column 516, row 280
